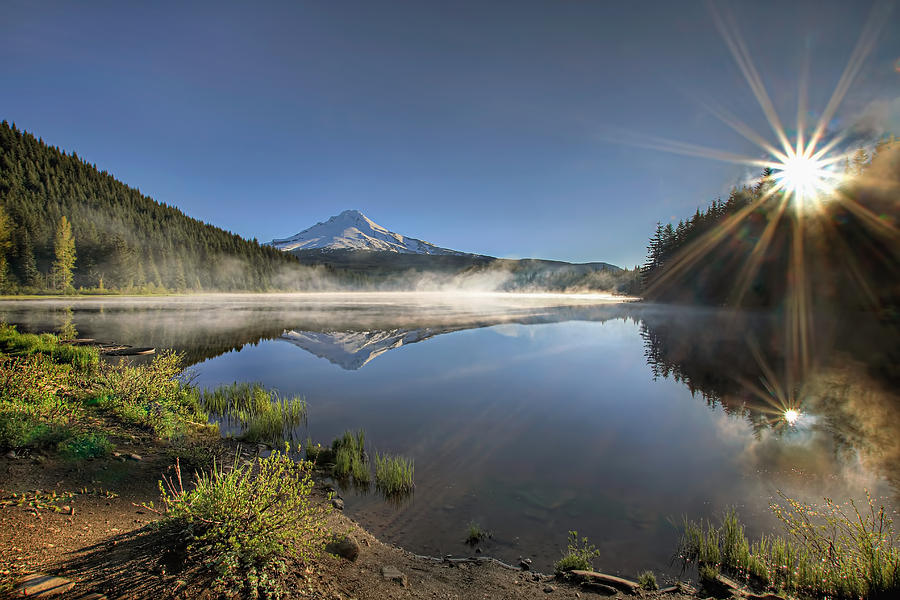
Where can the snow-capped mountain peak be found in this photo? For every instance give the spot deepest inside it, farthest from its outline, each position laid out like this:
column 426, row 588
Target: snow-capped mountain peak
column 352, row 230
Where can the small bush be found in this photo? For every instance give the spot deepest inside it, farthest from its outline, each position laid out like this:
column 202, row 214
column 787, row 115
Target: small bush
column 246, row 525
column 475, row 533
column 647, row 581
column 153, row 396
column 86, row 445
column 393, row 474
column 36, row 410
column 579, row 555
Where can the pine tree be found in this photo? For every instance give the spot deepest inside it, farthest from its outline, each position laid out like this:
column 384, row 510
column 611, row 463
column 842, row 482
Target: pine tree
column 5, row 246
column 64, row 253
column 28, row 271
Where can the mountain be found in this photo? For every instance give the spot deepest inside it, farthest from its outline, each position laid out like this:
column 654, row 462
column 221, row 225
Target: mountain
column 351, row 350
column 352, row 230
column 370, row 256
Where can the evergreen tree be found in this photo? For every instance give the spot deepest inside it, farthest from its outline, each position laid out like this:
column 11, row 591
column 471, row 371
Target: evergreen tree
column 64, row 253
column 5, row 246
column 28, row 271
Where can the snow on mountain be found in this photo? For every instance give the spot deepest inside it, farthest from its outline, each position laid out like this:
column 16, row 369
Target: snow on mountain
column 353, row 349
column 352, row 230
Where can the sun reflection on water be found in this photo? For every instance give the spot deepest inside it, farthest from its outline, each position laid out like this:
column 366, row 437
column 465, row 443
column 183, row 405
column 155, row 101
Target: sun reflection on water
column 791, row 415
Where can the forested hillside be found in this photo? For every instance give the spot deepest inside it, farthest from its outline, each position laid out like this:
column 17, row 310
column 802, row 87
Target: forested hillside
column 123, row 239
column 760, row 248
column 65, row 225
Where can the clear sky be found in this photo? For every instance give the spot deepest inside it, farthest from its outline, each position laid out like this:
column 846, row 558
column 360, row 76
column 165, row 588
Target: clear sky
column 490, row 127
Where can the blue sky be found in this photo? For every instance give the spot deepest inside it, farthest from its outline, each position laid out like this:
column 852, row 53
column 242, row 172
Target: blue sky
column 480, row 126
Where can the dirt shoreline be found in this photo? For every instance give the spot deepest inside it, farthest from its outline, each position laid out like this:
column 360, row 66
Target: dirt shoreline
column 103, row 540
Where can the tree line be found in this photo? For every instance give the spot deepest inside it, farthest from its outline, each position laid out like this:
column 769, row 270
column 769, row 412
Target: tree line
column 65, row 224
column 750, row 249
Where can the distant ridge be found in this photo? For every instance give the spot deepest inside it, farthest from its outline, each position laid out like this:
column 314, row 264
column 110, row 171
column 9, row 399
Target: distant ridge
column 367, row 253
column 352, row 230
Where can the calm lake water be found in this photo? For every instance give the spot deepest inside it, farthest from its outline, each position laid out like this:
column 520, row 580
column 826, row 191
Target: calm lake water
column 535, row 415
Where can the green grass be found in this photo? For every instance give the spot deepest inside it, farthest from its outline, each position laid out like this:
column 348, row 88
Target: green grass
column 244, row 522
column 475, row 533
column 350, row 458
column 14, row 343
column 647, row 581
column 39, row 402
column 579, row 555
column 260, row 414
column 394, row 474
column 52, row 393
column 86, row 445
column 830, row 551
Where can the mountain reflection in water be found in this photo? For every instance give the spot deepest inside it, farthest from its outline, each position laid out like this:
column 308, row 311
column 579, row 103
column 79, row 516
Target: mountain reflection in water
column 536, row 415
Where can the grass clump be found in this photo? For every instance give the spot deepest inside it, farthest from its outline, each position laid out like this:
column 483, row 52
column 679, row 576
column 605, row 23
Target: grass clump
column 394, row 474
column 475, row 533
column 350, row 458
column 579, row 555
column 829, row 551
column 14, row 343
column 86, row 445
column 248, row 525
column 259, row 413
column 647, row 581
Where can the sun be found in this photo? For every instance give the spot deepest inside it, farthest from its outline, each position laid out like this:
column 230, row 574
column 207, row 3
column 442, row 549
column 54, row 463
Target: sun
column 804, row 177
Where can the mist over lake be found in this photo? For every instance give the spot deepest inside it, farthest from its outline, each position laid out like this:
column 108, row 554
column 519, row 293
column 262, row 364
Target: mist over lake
column 536, row 414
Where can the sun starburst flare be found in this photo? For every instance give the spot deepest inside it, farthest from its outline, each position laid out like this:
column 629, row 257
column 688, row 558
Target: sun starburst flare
column 791, row 416
column 802, row 186
column 805, row 179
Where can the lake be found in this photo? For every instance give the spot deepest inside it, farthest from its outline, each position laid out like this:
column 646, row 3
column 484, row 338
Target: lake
column 533, row 415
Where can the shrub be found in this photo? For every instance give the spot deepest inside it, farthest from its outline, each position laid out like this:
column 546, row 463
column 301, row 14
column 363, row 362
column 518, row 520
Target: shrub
column 153, row 396
column 647, row 581
column 393, row 474
column 579, row 555
column 247, row 524
column 35, row 407
column 86, row 445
